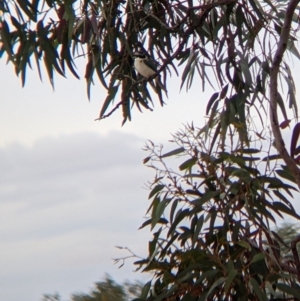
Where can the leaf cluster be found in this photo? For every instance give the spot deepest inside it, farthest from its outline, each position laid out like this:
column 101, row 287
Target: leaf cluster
column 105, row 290
column 227, row 44
column 211, row 219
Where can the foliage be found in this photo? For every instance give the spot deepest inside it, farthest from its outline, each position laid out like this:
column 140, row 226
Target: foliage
column 109, row 290
column 227, row 44
column 288, row 233
column 51, row 297
column 105, row 290
column 211, row 218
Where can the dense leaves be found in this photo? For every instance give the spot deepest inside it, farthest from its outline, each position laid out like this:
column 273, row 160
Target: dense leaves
column 227, row 44
column 212, row 217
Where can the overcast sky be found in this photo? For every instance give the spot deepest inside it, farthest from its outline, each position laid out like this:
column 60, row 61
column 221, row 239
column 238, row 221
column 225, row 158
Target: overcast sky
column 71, row 188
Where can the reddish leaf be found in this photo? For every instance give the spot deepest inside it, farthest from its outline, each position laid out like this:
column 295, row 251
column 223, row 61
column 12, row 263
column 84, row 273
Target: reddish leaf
column 295, row 137
column 285, row 123
column 146, row 160
column 223, row 92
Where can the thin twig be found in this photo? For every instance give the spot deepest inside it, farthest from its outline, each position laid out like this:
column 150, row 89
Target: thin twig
column 113, row 110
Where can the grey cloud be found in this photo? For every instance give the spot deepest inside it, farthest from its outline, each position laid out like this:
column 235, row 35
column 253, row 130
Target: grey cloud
column 64, row 204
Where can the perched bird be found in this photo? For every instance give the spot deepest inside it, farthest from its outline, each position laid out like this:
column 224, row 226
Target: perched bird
column 144, row 65
column 147, row 67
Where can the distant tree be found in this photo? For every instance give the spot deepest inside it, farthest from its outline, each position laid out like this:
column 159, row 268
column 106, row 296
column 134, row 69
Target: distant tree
column 288, row 233
column 109, row 290
column 51, row 297
column 106, row 290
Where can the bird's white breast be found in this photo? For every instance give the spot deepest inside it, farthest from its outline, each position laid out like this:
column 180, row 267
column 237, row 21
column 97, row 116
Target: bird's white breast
column 142, row 68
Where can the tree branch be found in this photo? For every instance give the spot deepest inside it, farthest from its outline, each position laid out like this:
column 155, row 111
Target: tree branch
column 274, row 94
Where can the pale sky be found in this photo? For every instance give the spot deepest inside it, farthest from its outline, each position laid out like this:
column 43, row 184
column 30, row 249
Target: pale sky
column 71, row 188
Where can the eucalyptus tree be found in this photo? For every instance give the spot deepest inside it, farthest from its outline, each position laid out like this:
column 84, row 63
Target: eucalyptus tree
column 212, row 217
column 104, row 290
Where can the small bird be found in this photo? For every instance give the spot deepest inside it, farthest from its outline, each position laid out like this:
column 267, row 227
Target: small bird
column 147, row 67
column 144, row 65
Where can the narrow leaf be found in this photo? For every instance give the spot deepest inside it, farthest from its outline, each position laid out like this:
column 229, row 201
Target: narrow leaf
column 257, row 290
column 110, row 97
column 285, row 209
column 215, row 284
column 295, row 137
column 286, row 175
column 188, row 164
column 155, row 190
column 211, row 101
column 288, row 289
column 158, row 211
column 258, row 257
column 231, row 275
column 173, row 152
column 145, row 290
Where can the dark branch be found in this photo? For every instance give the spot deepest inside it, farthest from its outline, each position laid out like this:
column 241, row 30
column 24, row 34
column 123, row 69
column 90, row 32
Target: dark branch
column 274, row 94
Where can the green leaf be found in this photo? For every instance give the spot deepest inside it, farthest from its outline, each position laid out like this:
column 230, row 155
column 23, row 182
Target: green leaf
column 145, row 290
column 283, row 208
column 180, row 215
column 112, row 91
column 173, row 152
column 211, row 101
column 215, row 284
column 208, row 195
column 198, row 229
column 281, row 197
column 49, row 70
column 188, row 68
column 231, row 275
column 173, row 208
column 257, row 290
column 288, row 289
column 242, row 174
column 100, row 71
column 188, row 164
column 149, row 221
column 286, row 175
column 70, row 17
column 258, row 257
column 158, row 211
column 271, row 157
column 155, row 190
column 6, row 39
column 244, row 244
column 66, row 56
column 281, row 105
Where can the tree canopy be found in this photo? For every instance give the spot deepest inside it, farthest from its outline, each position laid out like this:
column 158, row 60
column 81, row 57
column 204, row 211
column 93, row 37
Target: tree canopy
column 211, row 217
column 227, row 44
column 105, row 290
